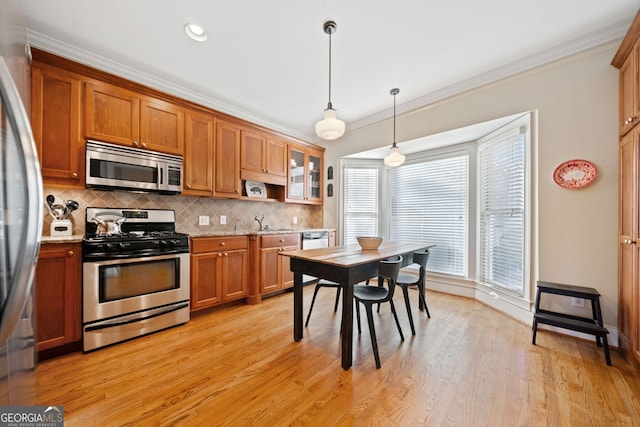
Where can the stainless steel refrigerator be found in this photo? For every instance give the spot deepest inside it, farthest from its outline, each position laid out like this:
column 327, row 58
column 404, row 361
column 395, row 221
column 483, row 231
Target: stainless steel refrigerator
column 20, row 212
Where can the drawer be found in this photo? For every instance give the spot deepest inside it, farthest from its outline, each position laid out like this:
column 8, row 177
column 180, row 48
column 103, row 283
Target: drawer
column 217, row 244
column 278, row 240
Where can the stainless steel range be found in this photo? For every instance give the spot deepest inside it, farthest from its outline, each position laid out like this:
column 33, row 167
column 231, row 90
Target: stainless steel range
column 135, row 274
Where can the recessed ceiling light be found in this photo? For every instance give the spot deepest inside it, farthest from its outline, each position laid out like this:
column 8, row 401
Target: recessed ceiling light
column 196, row 32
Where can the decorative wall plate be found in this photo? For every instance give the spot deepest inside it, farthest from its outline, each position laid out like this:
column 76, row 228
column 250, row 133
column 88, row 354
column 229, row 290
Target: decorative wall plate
column 256, row 189
column 575, row 174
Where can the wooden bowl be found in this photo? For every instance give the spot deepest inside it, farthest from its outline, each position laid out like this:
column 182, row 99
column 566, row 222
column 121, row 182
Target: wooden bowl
column 369, row 243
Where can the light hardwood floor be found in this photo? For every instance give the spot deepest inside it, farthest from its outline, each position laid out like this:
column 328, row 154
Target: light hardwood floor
column 468, row 365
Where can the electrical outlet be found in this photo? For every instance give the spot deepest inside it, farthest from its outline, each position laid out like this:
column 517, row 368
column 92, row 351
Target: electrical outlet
column 203, row 220
column 577, row 302
column 295, row 219
column 223, row 219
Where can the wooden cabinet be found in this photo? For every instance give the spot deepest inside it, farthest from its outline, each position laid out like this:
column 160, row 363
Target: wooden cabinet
column 226, row 182
column 626, row 59
column 121, row 116
column 275, row 273
column 262, row 158
column 198, row 154
column 305, row 180
column 628, row 262
column 219, row 270
column 58, row 284
column 55, row 120
column 629, row 91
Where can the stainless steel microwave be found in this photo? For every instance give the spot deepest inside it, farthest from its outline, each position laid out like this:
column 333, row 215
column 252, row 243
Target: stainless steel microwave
column 114, row 167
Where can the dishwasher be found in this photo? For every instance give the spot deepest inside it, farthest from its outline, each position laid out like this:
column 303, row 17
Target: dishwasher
column 313, row 240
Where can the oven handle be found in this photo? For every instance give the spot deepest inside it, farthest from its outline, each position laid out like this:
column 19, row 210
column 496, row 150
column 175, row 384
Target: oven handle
column 137, row 317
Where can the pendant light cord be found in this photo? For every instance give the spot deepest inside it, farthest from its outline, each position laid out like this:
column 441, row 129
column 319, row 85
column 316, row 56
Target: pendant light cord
column 330, row 32
column 394, row 119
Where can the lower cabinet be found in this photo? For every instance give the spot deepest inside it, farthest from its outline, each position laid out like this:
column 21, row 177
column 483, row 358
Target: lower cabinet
column 58, row 294
column 275, row 273
column 219, row 270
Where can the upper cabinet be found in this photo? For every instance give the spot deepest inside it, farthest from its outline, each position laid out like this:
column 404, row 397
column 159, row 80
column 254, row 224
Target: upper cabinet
column 226, row 180
column 305, row 175
column 262, row 158
column 120, row 116
column 55, row 120
column 71, row 103
column 198, row 154
column 629, row 91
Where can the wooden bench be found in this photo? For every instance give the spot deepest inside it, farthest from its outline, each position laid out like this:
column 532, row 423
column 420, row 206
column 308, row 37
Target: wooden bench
column 592, row 326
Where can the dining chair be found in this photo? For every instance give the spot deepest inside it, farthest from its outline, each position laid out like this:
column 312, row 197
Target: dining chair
column 369, row 295
column 323, row 283
column 406, row 279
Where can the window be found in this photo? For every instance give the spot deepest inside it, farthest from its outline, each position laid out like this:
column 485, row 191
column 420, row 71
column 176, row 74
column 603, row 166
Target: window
column 428, row 202
column 502, row 210
column 360, row 203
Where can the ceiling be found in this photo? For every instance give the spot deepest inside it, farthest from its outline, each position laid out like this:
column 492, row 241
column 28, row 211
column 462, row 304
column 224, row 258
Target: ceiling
column 267, row 61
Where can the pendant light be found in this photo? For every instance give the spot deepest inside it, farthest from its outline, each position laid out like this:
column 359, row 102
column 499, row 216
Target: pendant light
column 394, row 158
column 330, row 127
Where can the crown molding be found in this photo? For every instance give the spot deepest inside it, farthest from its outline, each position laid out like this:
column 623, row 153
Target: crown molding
column 82, row 56
column 592, row 42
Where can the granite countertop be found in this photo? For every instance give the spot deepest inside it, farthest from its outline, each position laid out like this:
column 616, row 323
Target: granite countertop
column 222, row 233
column 77, row 238
column 74, row 238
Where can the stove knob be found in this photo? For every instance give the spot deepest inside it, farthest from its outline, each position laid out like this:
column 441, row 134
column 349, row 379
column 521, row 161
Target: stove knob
column 163, row 243
column 124, row 245
column 109, row 246
column 175, row 242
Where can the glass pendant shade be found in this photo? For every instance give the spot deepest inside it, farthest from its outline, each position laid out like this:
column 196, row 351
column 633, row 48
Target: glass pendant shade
column 394, row 158
column 330, row 127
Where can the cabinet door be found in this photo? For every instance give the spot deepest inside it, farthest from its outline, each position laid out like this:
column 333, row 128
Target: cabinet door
column 57, row 292
column 286, row 275
column 295, row 185
column 111, row 114
column 251, row 151
column 227, row 160
column 235, row 266
column 629, row 91
column 275, row 157
column 161, row 126
column 198, row 154
column 314, row 177
column 269, row 280
column 55, row 120
column 205, row 280
column 628, row 250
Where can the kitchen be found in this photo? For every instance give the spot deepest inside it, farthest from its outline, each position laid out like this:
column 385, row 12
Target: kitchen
column 587, row 102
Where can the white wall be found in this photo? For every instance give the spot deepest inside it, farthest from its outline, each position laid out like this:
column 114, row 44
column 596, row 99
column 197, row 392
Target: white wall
column 576, row 100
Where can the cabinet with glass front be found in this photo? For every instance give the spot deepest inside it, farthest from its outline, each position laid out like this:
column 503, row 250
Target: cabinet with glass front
column 305, row 175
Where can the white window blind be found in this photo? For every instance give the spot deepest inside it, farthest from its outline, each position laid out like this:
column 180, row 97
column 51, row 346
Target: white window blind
column 502, row 211
column 360, row 203
column 428, row 202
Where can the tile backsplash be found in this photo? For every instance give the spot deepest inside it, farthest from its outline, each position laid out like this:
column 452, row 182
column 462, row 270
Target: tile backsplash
column 188, row 209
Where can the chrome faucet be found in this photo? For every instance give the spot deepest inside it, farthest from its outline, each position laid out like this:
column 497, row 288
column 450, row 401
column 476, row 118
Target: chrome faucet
column 260, row 221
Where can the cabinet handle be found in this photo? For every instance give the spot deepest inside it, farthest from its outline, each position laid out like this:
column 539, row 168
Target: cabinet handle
column 281, row 240
column 189, row 186
column 628, row 242
column 144, row 145
column 75, row 174
column 219, row 253
column 135, row 144
column 70, row 253
column 223, row 244
column 226, row 254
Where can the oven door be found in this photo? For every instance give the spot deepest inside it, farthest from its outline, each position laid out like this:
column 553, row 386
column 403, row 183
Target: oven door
column 124, row 286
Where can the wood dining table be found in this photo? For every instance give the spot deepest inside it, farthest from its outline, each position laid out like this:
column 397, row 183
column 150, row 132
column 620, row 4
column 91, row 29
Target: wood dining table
column 347, row 265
